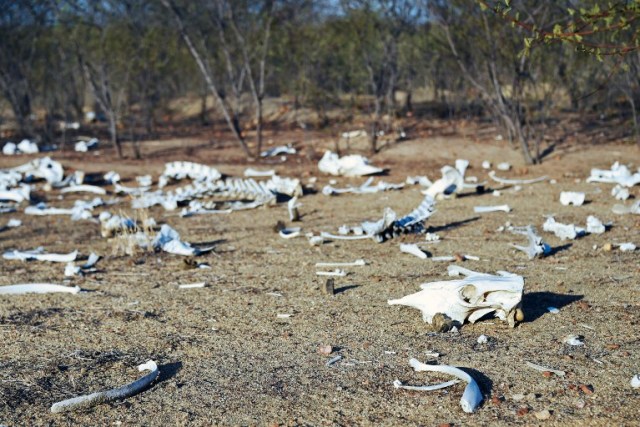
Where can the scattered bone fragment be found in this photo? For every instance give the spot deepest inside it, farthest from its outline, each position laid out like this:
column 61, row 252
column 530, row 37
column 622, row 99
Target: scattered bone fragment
column 574, row 340
column 168, row 240
column 333, row 360
column 12, row 223
column 574, row 198
column 620, row 193
column 72, row 270
column 452, row 181
column 123, row 392
column 315, row 240
column 623, row 210
column 563, row 231
column 37, row 288
column 366, row 188
column 487, row 209
column 536, row 247
column 325, row 349
column 290, row 232
column 486, row 164
column 398, row 385
column 84, row 189
column 444, row 258
column 482, row 339
column 39, row 255
column 292, row 207
column 413, row 249
column 278, row 151
column 553, row 310
column 504, row 166
column 389, row 226
column 284, row 315
column 342, row 237
column 471, row 397
column 111, row 225
column 194, row 171
column 618, row 174
column 545, row 369
column 469, row 299
column 254, row 173
column 506, row 181
column 336, row 272
column 635, row 381
column 419, row 180
column 193, row 285
column 431, row 237
column 85, row 146
column 356, row 263
column 594, row 225
column 627, row 247
column 352, row 165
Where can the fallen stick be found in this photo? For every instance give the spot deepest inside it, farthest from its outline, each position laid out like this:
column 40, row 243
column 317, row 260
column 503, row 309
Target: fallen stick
column 123, row 392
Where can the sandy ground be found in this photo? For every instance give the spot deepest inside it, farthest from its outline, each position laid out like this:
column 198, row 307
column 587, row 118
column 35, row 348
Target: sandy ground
column 225, row 356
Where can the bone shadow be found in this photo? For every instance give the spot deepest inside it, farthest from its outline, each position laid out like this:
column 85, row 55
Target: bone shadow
column 484, row 382
column 560, row 248
column 168, row 371
column 535, row 304
column 344, row 289
column 451, row 225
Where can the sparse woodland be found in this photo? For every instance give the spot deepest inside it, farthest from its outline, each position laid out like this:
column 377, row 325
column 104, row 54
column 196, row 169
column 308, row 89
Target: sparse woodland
column 517, row 64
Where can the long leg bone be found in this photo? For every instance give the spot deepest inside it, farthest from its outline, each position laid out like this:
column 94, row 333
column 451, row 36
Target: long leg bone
column 506, row 181
column 37, row 288
column 123, row 392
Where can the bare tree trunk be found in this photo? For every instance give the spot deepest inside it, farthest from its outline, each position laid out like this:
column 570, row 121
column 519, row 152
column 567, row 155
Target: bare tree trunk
column 207, row 75
column 113, row 132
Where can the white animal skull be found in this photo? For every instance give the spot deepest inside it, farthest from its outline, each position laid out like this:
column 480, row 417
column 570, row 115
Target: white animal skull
column 469, row 299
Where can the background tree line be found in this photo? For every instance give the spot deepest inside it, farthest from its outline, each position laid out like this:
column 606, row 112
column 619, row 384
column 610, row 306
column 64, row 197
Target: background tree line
column 128, row 60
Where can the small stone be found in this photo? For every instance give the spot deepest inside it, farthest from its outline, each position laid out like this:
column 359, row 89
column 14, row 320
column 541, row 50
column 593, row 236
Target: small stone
column 542, row 415
column 586, row 389
column 522, row 411
column 325, row 349
column 613, row 346
column 445, row 425
column 607, row 247
column 329, row 287
column 547, row 374
column 483, row 339
column 517, row 397
column 496, row 400
column 442, row 323
column 584, row 305
column 580, row 403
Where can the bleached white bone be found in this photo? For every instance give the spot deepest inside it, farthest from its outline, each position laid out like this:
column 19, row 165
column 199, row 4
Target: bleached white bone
column 292, row 208
column 278, row 151
column 444, row 258
column 398, row 384
column 635, row 381
column 563, row 231
column 18, row 195
column 456, row 270
column 123, row 392
column 365, row 188
column 627, row 247
column 336, row 272
column 623, row 210
column 486, row 164
column 290, row 233
column 536, row 247
column 451, row 182
column 169, row 241
column 618, row 174
column 254, row 173
column 469, row 299
column 420, row 180
column 28, row 147
column 594, row 225
column 574, row 198
column 356, row 263
column 341, row 237
column 471, row 397
column 37, row 288
column 38, row 255
column 192, row 285
column 487, row 209
column 620, row 193
column 505, row 181
column 84, row 189
column 504, row 166
column 352, row 165
column 413, row 249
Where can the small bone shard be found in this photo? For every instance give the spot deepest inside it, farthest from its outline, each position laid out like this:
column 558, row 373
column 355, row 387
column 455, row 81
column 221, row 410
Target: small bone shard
column 292, row 207
column 620, row 193
column 545, row 369
column 469, row 299
column 487, row 209
column 471, row 397
column 353, row 165
column 37, row 288
column 572, row 198
column 563, row 231
column 365, row 188
column 123, row 392
column 168, row 240
column 290, row 233
column 389, row 227
column 635, row 381
column 356, row 263
column 336, row 272
column 278, row 151
column 413, row 249
column 595, row 226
